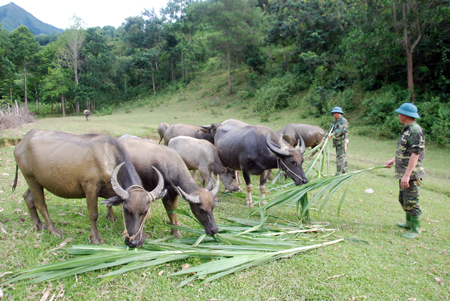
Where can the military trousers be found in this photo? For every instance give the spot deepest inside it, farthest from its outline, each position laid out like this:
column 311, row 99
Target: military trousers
column 409, row 197
column 341, row 160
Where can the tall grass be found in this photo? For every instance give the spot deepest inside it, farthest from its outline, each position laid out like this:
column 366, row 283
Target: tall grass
column 14, row 116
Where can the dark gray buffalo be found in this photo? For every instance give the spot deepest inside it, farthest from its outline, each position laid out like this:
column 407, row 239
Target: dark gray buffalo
column 201, row 155
column 177, row 180
column 195, row 131
column 83, row 166
column 255, row 150
column 162, row 128
column 311, row 134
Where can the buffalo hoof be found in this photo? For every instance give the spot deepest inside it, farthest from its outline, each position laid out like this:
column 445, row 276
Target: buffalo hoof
column 55, row 231
column 263, row 203
column 249, row 204
column 176, row 233
column 97, row 240
column 40, row 226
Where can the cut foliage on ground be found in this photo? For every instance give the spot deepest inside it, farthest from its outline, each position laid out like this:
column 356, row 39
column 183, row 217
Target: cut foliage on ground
column 234, row 249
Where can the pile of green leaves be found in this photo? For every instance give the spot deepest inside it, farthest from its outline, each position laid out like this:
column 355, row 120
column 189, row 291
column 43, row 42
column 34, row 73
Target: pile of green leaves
column 239, row 245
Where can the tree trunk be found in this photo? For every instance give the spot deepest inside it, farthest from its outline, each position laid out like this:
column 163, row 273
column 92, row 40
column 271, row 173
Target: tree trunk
column 229, row 70
column 10, row 91
column 125, row 83
column 153, row 78
column 37, row 101
column 182, row 65
column 63, row 105
column 77, row 107
column 25, row 86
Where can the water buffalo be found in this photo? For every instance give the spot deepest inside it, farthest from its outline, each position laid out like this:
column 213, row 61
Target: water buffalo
column 195, row 131
column 82, row 166
column 255, row 150
column 162, row 128
column 177, row 180
column 87, row 113
column 311, row 134
column 201, row 155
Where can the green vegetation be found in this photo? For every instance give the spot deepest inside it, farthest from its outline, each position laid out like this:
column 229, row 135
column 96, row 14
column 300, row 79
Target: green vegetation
column 372, row 261
column 366, row 57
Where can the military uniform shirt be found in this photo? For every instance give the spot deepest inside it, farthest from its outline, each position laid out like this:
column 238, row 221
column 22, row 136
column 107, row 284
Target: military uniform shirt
column 340, row 131
column 411, row 141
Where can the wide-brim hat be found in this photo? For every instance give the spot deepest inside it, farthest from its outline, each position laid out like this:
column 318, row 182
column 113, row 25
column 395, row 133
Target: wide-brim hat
column 337, row 110
column 408, row 109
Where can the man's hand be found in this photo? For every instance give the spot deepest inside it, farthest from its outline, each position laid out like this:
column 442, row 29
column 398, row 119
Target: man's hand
column 389, row 163
column 405, row 181
column 329, row 135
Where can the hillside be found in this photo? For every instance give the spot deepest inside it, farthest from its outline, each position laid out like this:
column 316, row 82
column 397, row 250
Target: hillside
column 12, row 16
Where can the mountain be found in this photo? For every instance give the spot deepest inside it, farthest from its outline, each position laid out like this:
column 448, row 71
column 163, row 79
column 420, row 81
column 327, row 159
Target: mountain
column 12, row 16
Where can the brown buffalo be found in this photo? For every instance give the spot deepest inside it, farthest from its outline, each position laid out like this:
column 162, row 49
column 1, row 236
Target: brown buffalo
column 82, row 166
column 145, row 154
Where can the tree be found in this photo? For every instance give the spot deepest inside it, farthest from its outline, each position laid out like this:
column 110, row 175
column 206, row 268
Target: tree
column 232, row 24
column 58, row 83
column 410, row 19
column 25, row 48
column 99, row 69
column 73, row 42
column 7, row 67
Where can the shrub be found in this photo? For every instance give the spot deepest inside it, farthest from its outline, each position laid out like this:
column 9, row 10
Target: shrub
column 105, row 110
column 11, row 118
column 274, row 95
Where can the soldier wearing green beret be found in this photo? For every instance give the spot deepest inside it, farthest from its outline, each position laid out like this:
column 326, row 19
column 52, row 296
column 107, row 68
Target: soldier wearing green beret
column 339, row 133
column 409, row 168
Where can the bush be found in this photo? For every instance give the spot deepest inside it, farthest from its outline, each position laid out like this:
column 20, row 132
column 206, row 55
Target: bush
column 105, row 110
column 11, row 118
column 274, row 95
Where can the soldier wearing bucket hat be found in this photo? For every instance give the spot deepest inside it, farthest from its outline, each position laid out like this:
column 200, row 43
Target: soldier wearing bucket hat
column 409, row 168
column 339, row 133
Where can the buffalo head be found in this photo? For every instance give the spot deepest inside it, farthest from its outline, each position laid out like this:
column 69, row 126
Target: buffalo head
column 202, row 205
column 289, row 159
column 229, row 180
column 136, row 204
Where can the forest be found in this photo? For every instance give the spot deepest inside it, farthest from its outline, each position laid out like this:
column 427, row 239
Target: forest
column 367, row 56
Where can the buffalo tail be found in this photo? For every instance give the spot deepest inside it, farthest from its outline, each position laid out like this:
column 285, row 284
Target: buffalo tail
column 15, row 179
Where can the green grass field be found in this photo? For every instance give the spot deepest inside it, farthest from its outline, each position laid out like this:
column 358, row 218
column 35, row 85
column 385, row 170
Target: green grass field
column 373, row 263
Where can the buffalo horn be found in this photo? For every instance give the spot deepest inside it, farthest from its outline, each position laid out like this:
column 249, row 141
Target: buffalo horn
column 275, row 148
column 195, row 199
column 122, row 193
column 303, row 147
column 206, row 127
column 156, row 193
column 282, row 144
column 210, row 185
column 215, row 189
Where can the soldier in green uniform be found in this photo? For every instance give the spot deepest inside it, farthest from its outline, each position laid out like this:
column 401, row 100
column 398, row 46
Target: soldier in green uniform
column 339, row 133
column 408, row 167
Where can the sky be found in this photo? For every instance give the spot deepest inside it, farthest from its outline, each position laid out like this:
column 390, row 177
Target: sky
column 92, row 12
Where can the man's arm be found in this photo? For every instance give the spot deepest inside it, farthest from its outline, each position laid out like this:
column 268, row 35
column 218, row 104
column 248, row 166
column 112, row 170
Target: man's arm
column 411, row 165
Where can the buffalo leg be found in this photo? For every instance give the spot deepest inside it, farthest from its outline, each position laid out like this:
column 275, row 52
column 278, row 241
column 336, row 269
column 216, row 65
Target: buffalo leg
column 262, row 185
column 171, row 205
column 37, row 200
column 28, row 197
column 110, row 215
column 248, row 183
column 92, row 204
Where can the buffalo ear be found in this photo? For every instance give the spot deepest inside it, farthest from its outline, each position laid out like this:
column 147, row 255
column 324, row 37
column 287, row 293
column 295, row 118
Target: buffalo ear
column 114, row 201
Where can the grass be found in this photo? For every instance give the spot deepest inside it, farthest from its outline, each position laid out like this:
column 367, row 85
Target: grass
column 387, row 267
